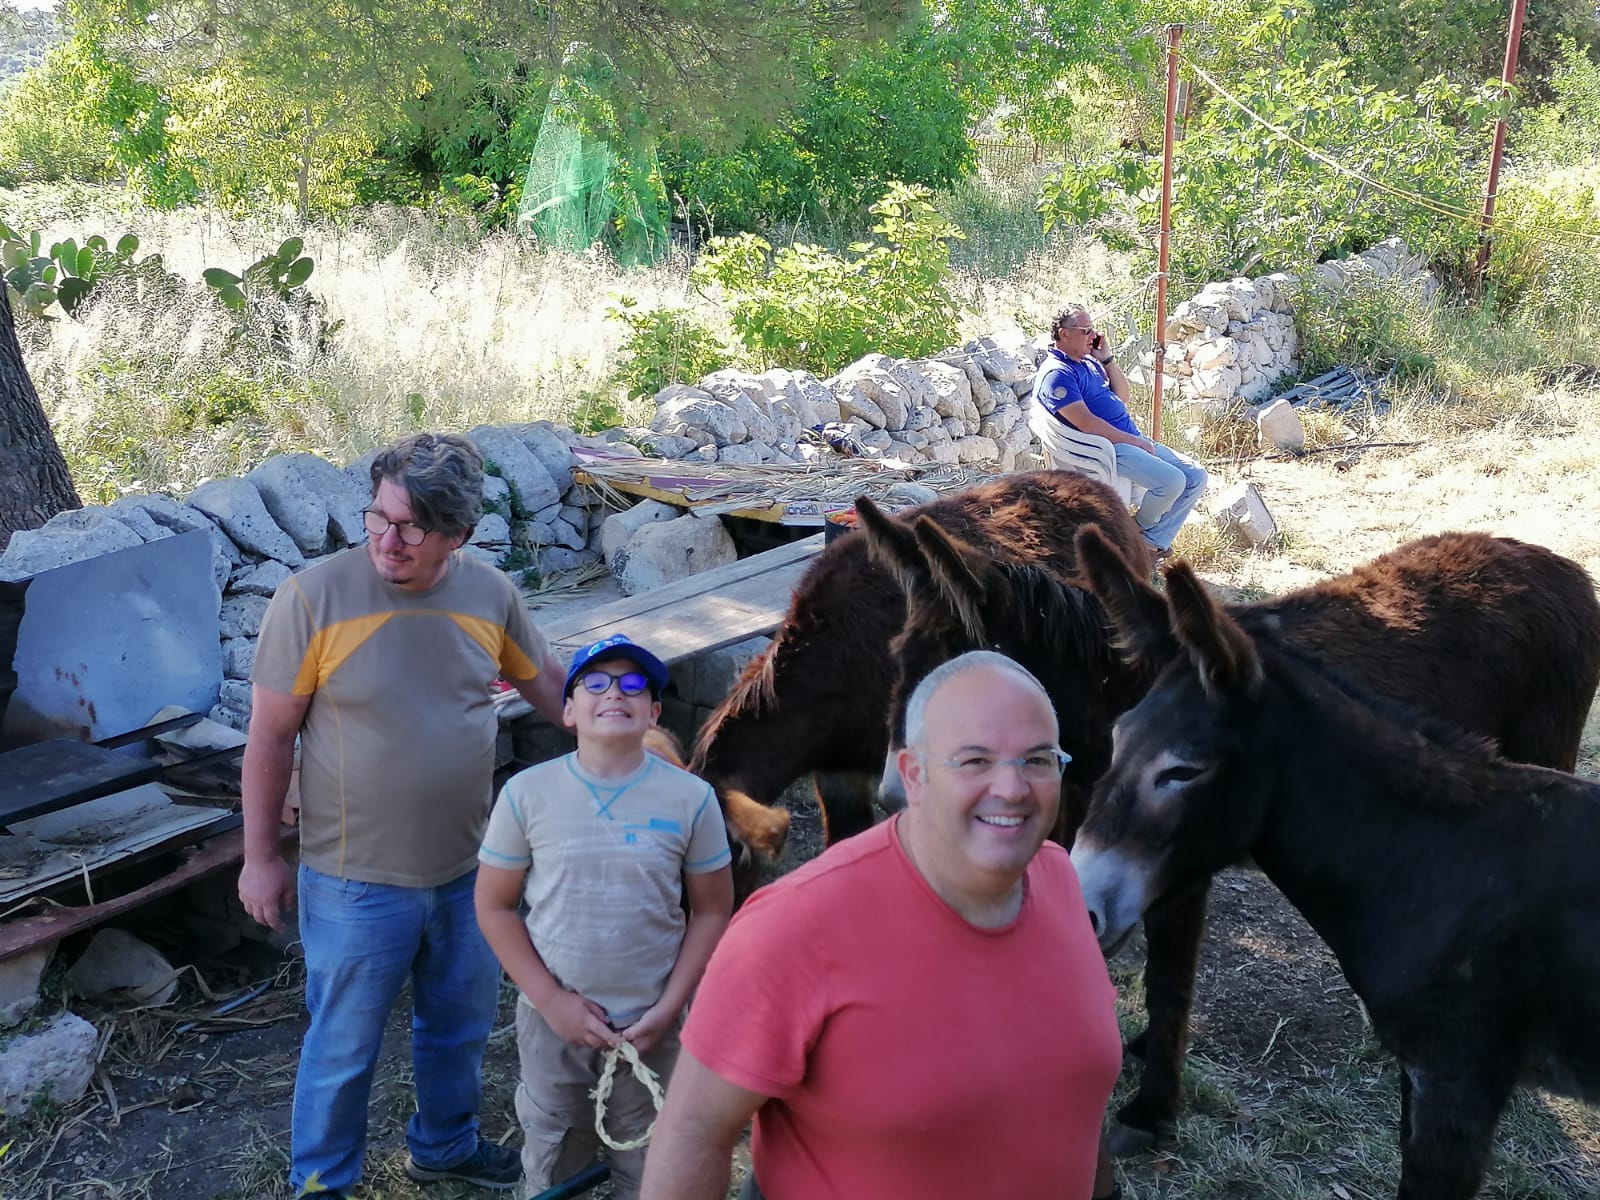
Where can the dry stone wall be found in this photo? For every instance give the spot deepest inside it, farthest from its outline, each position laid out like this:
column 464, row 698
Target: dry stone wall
column 1234, row 340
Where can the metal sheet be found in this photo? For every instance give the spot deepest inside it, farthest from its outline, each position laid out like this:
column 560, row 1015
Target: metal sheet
column 106, row 642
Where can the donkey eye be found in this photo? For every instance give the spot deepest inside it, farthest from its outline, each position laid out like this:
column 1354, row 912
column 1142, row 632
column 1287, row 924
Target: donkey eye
column 1178, row 774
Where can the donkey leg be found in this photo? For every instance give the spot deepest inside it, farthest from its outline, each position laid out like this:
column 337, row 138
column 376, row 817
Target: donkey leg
column 1453, row 1114
column 1172, row 931
column 845, row 798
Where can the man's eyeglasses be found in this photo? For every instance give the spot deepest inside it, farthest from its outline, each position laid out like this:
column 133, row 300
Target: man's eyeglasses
column 598, row 683
column 377, row 525
column 1042, row 766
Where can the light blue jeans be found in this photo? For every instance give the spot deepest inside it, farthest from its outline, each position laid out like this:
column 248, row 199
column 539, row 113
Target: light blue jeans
column 363, row 941
column 1173, row 485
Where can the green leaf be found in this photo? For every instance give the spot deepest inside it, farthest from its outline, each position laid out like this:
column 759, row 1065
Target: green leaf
column 65, row 253
column 219, row 278
column 126, row 245
column 290, row 249
column 72, row 292
column 84, row 268
column 232, row 296
column 299, row 271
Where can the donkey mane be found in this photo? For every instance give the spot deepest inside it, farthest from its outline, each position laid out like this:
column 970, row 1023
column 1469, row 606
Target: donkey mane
column 755, row 692
column 1056, row 612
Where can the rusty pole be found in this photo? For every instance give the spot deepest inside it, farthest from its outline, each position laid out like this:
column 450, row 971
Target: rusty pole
column 1508, row 76
column 1174, row 32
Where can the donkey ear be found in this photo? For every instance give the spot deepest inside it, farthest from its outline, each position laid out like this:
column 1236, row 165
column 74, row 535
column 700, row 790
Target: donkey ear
column 1223, row 653
column 892, row 545
column 1137, row 611
column 957, row 570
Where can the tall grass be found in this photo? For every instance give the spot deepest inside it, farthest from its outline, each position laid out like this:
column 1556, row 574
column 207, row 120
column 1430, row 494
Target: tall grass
column 442, row 326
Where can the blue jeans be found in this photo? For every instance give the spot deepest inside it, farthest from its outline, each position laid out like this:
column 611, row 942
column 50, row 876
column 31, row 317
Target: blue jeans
column 1172, row 484
column 363, row 941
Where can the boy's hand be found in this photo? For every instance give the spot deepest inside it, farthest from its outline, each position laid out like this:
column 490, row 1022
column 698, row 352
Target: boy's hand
column 648, row 1029
column 579, row 1021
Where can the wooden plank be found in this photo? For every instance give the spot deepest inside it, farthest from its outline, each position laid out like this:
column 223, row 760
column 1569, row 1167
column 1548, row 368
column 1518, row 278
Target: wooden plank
column 789, row 561
column 21, row 934
column 704, row 612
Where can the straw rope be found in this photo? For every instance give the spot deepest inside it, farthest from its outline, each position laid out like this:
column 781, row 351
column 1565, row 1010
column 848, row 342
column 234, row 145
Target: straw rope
column 602, row 1093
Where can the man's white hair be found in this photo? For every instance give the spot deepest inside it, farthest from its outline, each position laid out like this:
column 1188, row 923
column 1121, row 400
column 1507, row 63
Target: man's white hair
column 972, row 660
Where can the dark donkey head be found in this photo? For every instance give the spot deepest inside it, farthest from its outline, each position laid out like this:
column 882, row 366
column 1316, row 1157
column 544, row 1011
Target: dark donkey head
column 959, row 598
column 1170, row 811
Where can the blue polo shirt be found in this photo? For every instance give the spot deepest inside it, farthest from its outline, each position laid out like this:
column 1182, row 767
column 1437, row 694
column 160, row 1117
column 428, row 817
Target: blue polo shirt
column 1060, row 382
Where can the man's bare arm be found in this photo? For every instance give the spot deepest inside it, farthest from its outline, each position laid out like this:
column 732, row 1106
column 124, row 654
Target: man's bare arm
column 691, row 1151
column 266, row 885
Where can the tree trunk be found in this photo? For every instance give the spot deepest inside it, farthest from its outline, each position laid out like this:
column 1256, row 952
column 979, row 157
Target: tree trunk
column 34, row 484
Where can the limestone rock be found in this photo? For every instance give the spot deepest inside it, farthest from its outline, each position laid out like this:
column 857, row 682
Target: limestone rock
column 116, row 961
column 237, row 507
column 241, row 615
column 1241, row 510
column 951, row 391
column 531, row 485
column 856, row 405
column 238, row 657
column 664, row 551
column 491, row 540
column 57, row 1061
column 68, row 537
column 1277, row 424
column 690, row 408
column 260, row 579
column 19, row 983
column 297, row 509
column 139, row 520
column 973, row 449
column 560, row 558
column 618, row 529
column 552, row 452
column 748, row 453
column 343, row 497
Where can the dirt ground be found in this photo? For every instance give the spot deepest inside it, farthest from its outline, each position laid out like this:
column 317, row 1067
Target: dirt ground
column 1283, row 1082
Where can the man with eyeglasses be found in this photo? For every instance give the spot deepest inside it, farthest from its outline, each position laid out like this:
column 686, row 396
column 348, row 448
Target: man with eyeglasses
column 1080, row 384
column 604, row 846
column 923, row 1009
column 380, row 660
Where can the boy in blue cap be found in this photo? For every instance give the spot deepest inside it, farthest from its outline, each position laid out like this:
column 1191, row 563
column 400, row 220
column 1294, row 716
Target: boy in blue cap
column 604, row 844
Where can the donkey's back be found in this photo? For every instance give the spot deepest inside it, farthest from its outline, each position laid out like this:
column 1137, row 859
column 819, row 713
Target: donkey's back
column 1496, row 636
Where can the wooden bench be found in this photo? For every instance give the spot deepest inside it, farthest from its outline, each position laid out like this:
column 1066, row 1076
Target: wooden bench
column 707, row 611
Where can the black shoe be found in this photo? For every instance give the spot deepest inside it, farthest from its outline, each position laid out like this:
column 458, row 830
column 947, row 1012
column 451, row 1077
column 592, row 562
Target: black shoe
column 489, row 1166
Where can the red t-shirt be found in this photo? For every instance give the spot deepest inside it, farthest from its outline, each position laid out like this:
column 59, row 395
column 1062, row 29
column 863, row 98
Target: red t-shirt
column 905, row 1051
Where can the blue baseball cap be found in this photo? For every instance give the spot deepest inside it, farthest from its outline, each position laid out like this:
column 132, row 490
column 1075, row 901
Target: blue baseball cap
column 618, row 645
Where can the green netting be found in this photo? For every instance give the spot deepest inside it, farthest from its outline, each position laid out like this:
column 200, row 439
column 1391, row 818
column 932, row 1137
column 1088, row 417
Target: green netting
column 579, row 189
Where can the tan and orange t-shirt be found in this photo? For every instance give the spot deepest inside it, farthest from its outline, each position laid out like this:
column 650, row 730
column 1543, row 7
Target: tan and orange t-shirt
column 397, row 747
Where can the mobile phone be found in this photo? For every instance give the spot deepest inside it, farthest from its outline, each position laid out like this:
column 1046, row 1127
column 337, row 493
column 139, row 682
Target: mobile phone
column 1099, row 341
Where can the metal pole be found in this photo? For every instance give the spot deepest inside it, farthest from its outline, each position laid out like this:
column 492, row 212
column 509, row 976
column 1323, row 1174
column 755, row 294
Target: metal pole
column 1174, row 32
column 1508, row 76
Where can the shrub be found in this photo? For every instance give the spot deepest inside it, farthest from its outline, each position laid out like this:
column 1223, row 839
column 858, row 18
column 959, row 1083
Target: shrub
column 805, row 306
column 1545, row 256
column 664, row 345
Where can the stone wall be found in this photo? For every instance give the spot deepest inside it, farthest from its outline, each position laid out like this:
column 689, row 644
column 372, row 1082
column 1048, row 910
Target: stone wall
column 1234, row 340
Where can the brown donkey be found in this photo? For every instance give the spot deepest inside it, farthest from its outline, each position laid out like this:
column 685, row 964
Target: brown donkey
column 815, row 701
column 1457, row 890
column 1497, row 636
